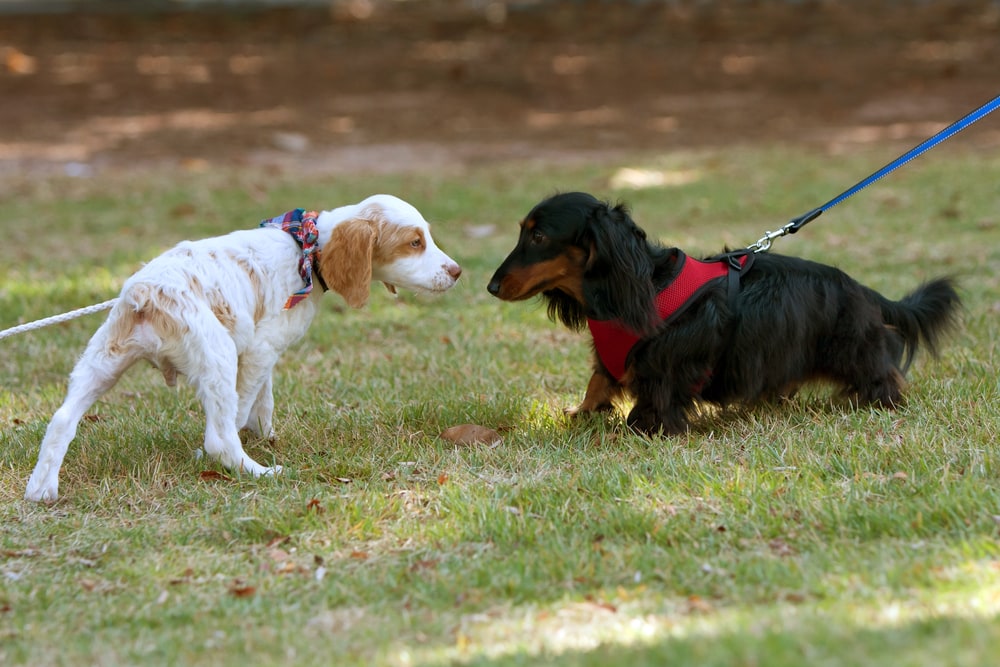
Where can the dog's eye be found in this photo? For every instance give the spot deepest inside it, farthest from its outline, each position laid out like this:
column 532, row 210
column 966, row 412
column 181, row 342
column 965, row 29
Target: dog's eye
column 537, row 237
column 417, row 243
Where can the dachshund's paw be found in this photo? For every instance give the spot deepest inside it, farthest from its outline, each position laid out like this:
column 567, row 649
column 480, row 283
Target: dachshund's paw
column 651, row 425
column 584, row 410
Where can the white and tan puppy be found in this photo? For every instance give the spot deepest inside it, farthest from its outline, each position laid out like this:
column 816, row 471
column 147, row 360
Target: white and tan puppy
column 222, row 310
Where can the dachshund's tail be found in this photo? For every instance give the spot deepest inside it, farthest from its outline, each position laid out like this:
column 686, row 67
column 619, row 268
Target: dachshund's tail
column 925, row 315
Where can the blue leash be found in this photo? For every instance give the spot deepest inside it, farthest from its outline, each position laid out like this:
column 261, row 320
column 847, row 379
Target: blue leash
column 797, row 223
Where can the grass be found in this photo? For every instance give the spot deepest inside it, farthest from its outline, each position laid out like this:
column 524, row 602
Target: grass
column 805, row 534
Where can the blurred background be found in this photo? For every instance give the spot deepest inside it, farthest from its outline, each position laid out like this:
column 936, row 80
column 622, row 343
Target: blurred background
column 390, row 85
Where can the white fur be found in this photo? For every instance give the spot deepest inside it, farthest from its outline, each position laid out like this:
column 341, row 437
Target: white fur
column 213, row 311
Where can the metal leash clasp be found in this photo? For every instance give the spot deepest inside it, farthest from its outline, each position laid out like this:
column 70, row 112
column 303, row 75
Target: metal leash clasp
column 763, row 244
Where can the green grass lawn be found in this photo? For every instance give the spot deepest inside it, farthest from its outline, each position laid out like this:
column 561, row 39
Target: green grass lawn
column 805, row 534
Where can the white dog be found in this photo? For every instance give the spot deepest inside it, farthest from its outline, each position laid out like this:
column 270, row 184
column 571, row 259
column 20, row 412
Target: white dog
column 222, row 310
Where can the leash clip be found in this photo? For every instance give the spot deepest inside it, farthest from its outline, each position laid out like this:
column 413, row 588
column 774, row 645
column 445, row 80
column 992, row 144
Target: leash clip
column 763, row 244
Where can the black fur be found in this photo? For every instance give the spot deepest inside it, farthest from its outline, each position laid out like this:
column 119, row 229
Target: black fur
column 793, row 321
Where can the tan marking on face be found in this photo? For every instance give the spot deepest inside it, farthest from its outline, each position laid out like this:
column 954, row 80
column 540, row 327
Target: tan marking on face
column 563, row 273
column 396, row 242
column 393, row 241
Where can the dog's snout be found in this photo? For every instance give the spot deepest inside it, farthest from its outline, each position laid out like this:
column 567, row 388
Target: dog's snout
column 453, row 269
column 494, row 287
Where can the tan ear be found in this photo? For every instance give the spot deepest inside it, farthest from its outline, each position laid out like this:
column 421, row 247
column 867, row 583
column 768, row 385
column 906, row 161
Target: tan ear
column 346, row 261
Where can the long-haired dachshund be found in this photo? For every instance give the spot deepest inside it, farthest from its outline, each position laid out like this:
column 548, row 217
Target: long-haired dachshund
column 670, row 331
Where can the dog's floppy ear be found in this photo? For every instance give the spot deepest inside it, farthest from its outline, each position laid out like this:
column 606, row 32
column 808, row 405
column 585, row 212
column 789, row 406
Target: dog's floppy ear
column 618, row 283
column 346, row 260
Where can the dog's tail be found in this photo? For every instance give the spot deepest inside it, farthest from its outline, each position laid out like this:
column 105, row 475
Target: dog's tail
column 144, row 317
column 925, row 315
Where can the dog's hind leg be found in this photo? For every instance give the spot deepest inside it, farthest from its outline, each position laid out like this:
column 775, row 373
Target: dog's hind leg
column 660, row 408
column 97, row 371
column 256, row 405
column 259, row 415
column 884, row 390
column 210, row 365
column 868, row 369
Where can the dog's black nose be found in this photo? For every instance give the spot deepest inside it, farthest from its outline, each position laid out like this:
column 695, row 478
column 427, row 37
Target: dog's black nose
column 494, row 287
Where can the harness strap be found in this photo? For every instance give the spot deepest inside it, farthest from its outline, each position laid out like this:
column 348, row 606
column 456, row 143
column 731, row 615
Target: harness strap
column 739, row 262
column 613, row 341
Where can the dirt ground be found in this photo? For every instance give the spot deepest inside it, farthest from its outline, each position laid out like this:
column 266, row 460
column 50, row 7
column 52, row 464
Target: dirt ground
column 420, row 85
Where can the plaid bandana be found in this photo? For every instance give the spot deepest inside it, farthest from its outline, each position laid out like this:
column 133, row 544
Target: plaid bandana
column 301, row 224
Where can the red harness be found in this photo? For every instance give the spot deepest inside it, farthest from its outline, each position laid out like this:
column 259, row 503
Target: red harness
column 613, row 341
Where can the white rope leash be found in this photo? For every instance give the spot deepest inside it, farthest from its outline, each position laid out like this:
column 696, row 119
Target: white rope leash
column 56, row 319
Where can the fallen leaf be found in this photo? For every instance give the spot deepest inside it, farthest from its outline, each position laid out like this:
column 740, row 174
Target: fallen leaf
column 241, row 589
column 289, row 567
column 601, row 604
column 183, row 579
column 277, row 541
column 207, row 475
column 314, row 506
column 22, row 553
column 470, row 434
column 698, row 604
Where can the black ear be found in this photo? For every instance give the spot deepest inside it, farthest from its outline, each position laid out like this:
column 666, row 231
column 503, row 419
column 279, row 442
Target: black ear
column 618, row 282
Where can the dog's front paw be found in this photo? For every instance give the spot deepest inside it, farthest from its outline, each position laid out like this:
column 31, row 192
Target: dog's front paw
column 584, row 409
column 648, row 423
column 256, row 470
column 39, row 492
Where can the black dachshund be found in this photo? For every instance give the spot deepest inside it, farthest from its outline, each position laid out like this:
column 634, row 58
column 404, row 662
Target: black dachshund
column 671, row 331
